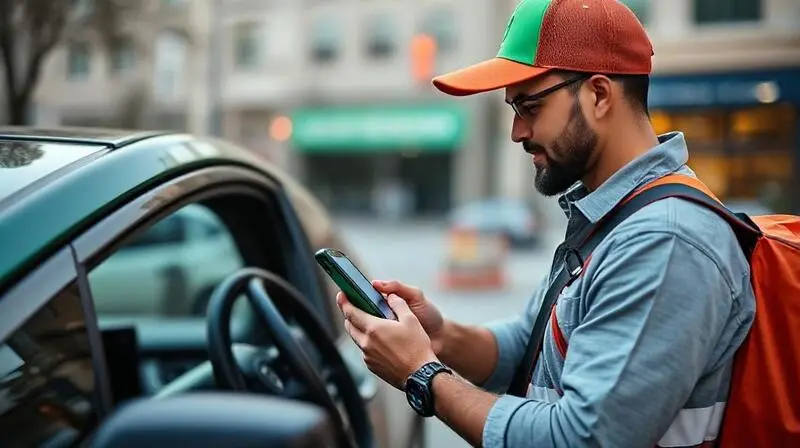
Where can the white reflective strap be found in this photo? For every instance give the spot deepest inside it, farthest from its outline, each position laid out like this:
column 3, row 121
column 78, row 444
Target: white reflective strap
column 694, row 426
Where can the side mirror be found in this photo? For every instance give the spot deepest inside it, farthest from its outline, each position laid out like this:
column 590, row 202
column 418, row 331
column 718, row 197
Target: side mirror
column 215, row 420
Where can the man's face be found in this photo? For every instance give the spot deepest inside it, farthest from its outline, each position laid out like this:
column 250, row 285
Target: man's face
column 554, row 130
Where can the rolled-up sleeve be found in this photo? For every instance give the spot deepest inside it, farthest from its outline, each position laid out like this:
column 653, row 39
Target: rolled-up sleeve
column 508, row 336
column 656, row 305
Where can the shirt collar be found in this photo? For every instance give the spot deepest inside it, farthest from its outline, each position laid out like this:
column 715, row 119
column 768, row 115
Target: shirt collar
column 667, row 157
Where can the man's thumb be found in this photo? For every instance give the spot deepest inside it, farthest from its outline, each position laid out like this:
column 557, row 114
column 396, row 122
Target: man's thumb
column 400, row 307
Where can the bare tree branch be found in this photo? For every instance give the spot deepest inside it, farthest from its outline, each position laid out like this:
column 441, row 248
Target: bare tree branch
column 31, row 29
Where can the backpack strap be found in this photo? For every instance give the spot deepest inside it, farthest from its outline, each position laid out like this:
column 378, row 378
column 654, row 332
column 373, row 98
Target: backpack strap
column 674, row 185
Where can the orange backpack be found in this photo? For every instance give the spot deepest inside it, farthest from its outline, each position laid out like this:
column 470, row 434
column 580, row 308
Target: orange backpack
column 763, row 408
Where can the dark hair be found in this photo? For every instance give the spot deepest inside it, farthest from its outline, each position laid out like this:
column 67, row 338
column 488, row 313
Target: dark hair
column 634, row 87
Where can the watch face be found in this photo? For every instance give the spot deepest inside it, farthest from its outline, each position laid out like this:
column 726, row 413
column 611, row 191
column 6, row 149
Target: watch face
column 416, row 395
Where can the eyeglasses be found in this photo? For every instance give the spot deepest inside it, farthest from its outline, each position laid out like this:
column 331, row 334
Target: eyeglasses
column 527, row 112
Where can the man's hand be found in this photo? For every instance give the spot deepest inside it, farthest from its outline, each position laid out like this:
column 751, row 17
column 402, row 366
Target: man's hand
column 393, row 350
column 425, row 311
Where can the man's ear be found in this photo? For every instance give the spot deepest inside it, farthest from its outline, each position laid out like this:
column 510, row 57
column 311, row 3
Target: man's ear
column 603, row 92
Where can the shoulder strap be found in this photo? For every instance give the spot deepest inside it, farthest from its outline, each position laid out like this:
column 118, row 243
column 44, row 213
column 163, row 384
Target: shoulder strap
column 670, row 186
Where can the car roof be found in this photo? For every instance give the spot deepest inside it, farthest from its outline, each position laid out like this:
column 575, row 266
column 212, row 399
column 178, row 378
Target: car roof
column 89, row 136
column 54, row 182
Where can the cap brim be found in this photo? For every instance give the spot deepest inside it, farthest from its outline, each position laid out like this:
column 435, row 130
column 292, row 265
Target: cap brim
column 488, row 75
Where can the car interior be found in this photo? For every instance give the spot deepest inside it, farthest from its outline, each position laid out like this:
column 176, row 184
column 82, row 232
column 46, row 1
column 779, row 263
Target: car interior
column 262, row 366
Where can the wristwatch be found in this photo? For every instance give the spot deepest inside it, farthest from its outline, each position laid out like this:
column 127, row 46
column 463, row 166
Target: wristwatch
column 418, row 387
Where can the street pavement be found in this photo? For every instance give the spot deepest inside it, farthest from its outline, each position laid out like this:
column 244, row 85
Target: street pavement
column 414, row 252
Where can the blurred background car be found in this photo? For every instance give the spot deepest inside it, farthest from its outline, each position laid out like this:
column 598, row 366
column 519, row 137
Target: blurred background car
column 161, row 262
column 512, row 218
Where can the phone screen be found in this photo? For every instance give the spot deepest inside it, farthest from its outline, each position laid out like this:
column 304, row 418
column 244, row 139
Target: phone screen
column 362, row 283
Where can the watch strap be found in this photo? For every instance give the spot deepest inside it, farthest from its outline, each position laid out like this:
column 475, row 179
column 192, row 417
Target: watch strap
column 425, row 375
column 430, row 370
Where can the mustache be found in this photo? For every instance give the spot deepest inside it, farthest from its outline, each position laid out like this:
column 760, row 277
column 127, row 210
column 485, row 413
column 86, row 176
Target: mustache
column 532, row 148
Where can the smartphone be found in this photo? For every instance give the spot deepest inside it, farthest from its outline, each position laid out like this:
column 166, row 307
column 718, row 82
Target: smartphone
column 353, row 283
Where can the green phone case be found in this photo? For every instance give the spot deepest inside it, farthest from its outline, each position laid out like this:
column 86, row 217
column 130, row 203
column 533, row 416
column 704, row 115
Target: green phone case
column 356, row 296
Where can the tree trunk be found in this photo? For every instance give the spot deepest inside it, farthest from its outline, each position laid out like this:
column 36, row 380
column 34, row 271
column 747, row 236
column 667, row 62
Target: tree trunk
column 17, row 110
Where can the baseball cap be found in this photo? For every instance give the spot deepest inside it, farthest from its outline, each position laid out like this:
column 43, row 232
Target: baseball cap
column 596, row 36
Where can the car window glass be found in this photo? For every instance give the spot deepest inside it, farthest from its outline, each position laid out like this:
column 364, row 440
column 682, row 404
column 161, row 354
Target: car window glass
column 169, row 269
column 46, row 376
column 171, row 230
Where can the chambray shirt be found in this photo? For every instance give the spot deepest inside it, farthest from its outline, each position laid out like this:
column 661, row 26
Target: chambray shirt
column 651, row 325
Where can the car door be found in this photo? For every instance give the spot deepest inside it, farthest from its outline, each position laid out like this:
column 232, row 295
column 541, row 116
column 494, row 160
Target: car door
column 53, row 387
column 395, row 421
column 252, row 211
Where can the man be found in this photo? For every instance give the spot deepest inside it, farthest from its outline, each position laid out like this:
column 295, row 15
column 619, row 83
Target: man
column 663, row 303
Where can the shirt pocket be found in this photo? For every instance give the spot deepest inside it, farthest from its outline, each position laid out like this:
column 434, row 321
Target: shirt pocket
column 568, row 313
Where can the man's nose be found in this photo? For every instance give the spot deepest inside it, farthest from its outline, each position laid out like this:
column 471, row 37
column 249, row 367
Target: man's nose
column 521, row 130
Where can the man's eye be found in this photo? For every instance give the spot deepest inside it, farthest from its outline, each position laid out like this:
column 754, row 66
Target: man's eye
column 530, row 109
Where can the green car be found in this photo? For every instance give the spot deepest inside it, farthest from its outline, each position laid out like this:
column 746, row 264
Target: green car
column 160, row 288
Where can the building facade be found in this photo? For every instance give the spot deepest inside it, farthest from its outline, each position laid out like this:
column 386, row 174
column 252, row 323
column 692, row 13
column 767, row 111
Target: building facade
column 155, row 75
column 340, row 93
column 727, row 74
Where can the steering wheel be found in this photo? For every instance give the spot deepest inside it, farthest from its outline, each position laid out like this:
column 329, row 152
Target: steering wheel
column 233, row 369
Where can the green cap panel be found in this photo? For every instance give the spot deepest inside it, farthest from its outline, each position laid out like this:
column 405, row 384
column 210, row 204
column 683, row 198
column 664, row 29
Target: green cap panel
column 521, row 39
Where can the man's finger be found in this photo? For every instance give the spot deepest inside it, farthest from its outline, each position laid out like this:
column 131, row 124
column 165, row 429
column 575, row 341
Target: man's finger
column 399, row 288
column 355, row 334
column 358, row 318
column 400, row 307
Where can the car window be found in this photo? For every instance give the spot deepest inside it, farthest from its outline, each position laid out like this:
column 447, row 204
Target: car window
column 171, row 230
column 168, row 269
column 46, row 377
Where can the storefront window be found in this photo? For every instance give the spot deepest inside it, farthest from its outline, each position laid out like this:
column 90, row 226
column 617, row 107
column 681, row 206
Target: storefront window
column 661, row 121
column 743, row 153
column 715, row 11
column 704, row 130
column 770, row 124
column 762, row 141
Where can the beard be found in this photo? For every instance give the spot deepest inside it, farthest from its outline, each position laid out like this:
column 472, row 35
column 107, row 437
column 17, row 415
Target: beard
column 574, row 147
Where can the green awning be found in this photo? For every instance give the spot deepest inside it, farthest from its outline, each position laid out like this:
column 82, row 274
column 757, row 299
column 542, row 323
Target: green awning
column 380, row 128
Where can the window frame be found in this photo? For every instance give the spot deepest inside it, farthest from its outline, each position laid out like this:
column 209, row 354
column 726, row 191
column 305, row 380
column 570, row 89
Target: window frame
column 122, row 47
column 246, row 36
column 381, row 36
column 71, row 262
column 207, row 184
column 326, row 39
column 179, row 235
column 446, row 35
column 73, row 50
column 36, row 290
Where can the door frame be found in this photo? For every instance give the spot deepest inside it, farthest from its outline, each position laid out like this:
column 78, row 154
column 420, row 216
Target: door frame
column 296, row 259
column 35, row 290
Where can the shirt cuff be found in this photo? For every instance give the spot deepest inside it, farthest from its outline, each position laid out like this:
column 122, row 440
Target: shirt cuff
column 499, row 418
column 500, row 378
